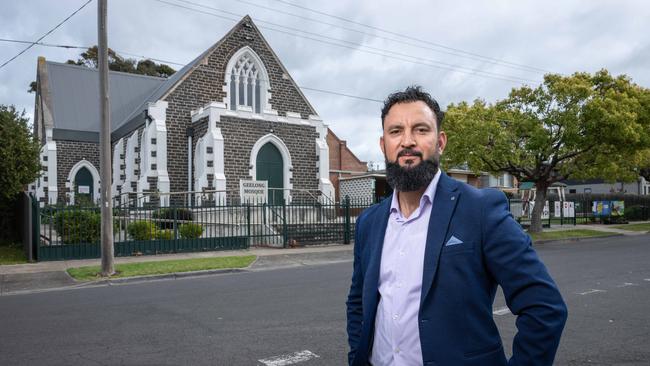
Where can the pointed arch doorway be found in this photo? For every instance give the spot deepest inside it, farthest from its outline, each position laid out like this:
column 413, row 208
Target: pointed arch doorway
column 270, row 167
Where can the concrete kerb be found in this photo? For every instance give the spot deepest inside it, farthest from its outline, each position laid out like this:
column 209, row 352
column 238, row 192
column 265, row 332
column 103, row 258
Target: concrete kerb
column 27, row 274
column 547, row 241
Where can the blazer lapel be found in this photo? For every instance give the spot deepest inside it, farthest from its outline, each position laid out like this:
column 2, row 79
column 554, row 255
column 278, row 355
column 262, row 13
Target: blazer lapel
column 442, row 210
column 376, row 240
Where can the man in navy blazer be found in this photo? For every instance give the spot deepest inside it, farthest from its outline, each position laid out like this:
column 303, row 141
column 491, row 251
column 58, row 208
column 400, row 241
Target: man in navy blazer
column 428, row 260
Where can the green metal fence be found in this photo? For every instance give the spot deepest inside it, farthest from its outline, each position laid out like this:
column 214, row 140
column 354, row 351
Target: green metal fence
column 73, row 232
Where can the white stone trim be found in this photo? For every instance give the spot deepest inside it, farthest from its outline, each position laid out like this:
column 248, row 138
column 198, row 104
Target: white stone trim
column 263, row 77
column 215, row 110
column 214, row 139
column 83, row 163
column 157, row 129
column 117, row 171
column 47, row 150
column 287, row 166
column 129, row 162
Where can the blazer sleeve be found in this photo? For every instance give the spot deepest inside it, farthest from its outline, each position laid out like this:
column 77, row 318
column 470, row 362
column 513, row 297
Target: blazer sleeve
column 354, row 303
column 530, row 292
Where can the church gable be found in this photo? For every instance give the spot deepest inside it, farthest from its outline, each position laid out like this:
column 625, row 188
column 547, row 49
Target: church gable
column 242, row 63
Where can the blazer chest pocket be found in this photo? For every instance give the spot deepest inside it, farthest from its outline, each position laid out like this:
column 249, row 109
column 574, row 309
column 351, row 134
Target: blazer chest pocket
column 457, row 248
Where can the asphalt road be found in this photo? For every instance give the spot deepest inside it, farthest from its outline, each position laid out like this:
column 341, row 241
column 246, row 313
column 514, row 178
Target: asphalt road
column 298, row 310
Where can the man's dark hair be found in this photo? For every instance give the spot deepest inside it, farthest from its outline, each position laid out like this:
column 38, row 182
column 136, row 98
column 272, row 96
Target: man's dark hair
column 413, row 93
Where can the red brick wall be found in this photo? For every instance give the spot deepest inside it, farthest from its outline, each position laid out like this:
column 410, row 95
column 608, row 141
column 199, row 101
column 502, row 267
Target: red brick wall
column 342, row 160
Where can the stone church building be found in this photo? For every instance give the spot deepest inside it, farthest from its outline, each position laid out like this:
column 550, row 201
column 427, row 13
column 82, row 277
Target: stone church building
column 234, row 113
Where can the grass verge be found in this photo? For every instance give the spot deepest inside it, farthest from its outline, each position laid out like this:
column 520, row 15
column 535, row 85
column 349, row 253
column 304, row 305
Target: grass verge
column 567, row 234
column 163, row 267
column 634, row 227
column 12, row 254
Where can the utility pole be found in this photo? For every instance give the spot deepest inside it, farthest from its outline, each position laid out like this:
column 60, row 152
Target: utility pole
column 105, row 143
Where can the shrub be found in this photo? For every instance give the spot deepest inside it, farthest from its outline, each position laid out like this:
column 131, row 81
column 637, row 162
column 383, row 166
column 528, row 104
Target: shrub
column 165, row 234
column 142, row 230
column 167, row 216
column 78, row 226
column 190, row 230
column 636, row 212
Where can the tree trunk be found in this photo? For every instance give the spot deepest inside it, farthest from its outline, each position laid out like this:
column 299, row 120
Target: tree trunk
column 540, row 201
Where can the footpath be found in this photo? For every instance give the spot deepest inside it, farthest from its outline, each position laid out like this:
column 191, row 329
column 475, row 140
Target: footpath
column 52, row 275
column 47, row 276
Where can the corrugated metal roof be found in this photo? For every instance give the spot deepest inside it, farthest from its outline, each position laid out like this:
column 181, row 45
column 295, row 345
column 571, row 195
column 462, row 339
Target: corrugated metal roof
column 75, row 95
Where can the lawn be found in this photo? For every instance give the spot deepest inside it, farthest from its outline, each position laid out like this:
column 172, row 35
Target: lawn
column 567, row 234
column 634, row 227
column 12, row 254
column 164, row 267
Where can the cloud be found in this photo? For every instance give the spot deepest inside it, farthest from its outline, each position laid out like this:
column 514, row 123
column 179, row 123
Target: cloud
column 559, row 36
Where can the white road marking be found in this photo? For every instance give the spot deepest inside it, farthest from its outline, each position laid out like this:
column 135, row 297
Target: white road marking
column 646, row 279
column 501, row 311
column 592, row 291
column 627, row 284
column 289, row 359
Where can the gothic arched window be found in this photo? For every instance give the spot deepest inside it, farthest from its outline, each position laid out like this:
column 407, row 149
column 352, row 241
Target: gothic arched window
column 247, row 82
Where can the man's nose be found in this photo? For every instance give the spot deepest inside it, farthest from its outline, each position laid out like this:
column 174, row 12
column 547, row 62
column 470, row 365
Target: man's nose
column 407, row 139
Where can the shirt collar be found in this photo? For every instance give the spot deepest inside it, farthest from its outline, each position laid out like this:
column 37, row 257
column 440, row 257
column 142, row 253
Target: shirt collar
column 427, row 196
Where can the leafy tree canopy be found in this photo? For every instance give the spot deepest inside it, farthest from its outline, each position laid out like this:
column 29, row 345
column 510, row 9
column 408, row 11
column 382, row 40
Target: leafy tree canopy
column 19, row 153
column 579, row 126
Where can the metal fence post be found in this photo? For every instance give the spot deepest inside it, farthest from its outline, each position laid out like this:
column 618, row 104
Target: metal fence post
column 285, row 233
column 248, row 221
column 36, row 227
column 346, row 213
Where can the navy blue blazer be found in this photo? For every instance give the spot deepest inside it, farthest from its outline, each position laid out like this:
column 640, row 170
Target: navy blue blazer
column 460, row 281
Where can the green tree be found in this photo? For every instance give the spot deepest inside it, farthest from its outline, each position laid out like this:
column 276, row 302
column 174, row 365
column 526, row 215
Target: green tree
column 118, row 63
column 19, row 164
column 579, row 126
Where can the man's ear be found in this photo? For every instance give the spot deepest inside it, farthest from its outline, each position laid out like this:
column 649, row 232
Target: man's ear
column 442, row 142
column 381, row 145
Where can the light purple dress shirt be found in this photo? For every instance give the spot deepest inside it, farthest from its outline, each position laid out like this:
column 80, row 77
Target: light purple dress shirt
column 397, row 336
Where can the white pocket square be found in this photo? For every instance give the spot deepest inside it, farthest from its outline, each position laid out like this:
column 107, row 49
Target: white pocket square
column 453, row 241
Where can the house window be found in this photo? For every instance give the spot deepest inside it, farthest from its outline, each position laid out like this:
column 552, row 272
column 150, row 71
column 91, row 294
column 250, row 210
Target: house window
column 153, row 154
column 153, row 141
column 572, row 191
column 246, row 84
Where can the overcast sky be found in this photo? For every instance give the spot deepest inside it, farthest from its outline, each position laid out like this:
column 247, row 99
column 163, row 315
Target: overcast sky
column 457, row 50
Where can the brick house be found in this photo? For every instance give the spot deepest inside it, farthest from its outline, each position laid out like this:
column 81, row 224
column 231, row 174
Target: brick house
column 233, row 113
column 343, row 162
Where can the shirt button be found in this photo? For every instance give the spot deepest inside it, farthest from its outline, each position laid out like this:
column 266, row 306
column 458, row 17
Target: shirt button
column 397, row 350
column 400, row 284
column 401, row 253
column 395, row 316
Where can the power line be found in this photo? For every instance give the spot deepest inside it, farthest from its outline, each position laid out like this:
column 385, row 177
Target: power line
column 445, row 65
column 443, row 50
column 409, row 37
column 355, row 46
column 46, row 34
column 341, row 94
column 87, row 47
column 180, row 64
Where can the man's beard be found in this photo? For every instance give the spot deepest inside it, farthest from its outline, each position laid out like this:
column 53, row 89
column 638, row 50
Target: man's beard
column 409, row 179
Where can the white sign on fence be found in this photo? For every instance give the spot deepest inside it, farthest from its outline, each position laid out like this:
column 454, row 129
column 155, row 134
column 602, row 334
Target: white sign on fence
column 557, row 210
column 569, row 209
column 545, row 212
column 254, row 191
column 83, row 189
